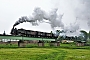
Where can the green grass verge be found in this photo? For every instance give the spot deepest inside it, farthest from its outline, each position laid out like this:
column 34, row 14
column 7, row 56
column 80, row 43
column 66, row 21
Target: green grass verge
column 44, row 54
column 33, row 52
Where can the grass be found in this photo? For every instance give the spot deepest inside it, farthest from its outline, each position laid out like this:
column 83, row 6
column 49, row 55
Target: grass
column 73, row 46
column 44, row 54
column 33, row 52
column 78, row 54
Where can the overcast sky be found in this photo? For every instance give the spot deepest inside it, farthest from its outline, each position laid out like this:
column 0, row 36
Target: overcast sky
column 12, row 10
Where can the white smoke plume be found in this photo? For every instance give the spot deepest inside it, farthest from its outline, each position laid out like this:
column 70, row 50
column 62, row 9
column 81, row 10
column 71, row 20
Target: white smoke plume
column 82, row 10
column 54, row 20
column 87, row 11
column 72, row 30
column 65, row 6
column 39, row 16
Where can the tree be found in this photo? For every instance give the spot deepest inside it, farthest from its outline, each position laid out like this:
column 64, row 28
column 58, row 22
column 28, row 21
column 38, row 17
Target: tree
column 4, row 33
column 85, row 35
column 60, row 38
column 89, row 34
column 89, row 37
column 57, row 32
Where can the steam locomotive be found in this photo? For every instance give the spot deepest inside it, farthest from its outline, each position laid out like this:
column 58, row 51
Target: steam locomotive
column 31, row 33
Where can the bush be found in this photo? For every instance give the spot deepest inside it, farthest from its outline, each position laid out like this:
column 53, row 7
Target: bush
column 87, row 44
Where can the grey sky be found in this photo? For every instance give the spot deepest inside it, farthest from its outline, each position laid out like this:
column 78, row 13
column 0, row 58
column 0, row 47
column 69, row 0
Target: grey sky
column 12, row 10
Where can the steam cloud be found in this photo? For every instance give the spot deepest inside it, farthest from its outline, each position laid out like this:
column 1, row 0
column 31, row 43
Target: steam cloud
column 54, row 20
column 82, row 11
column 87, row 11
column 72, row 30
column 39, row 16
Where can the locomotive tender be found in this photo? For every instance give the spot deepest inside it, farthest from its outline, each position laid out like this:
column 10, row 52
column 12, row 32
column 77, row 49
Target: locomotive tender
column 31, row 33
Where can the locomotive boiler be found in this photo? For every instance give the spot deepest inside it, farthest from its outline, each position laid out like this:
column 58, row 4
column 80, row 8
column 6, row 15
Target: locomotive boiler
column 31, row 33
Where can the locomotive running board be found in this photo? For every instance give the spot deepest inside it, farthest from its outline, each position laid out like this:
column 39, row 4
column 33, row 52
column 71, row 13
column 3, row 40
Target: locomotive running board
column 25, row 38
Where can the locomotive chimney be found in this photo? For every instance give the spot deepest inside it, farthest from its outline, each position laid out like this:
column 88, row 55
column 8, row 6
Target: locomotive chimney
column 12, row 30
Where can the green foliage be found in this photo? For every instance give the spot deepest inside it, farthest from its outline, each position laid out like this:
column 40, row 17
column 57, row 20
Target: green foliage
column 89, row 37
column 85, row 34
column 89, row 34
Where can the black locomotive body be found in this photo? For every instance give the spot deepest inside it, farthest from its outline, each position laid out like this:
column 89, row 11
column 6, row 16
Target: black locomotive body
column 31, row 33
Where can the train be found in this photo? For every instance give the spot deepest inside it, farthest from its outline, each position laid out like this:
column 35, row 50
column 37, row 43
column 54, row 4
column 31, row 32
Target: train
column 31, row 33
